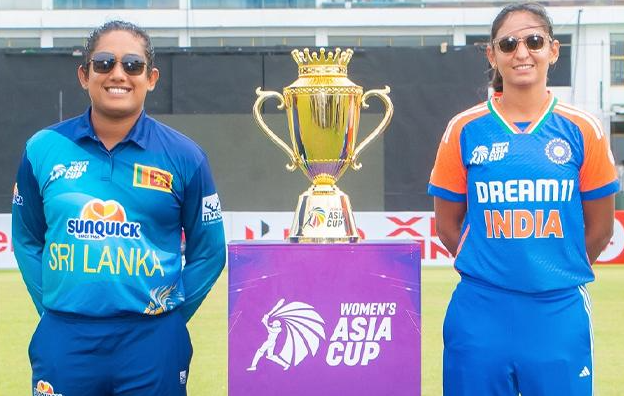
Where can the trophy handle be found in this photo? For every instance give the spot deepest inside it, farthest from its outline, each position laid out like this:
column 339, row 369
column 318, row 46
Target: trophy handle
column 382, row 95
column 262, row 96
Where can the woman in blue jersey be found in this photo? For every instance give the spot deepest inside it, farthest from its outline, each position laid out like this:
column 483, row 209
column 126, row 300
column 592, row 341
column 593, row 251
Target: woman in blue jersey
column 523, row 188
column 103, row 200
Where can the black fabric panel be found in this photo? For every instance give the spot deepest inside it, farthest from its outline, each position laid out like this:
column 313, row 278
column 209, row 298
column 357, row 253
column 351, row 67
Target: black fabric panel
column 159, row 100
column 209, row 83
column 280, row 70
column 428, row 89
column 29, row 98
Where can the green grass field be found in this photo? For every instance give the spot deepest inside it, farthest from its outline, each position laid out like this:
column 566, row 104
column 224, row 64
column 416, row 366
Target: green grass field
column 209, row 333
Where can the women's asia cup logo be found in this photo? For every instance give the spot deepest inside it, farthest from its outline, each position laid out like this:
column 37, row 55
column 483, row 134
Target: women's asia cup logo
column 303, row 327
column 316, row 217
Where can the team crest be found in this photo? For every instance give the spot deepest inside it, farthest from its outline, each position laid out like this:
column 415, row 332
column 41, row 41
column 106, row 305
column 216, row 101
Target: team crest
column 152, row 178
column 558, row 151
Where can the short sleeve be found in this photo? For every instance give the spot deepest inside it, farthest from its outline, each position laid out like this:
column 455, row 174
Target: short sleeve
column 597, row 176
column 448, row 177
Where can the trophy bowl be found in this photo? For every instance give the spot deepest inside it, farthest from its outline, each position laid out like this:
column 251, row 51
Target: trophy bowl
column 323, row 111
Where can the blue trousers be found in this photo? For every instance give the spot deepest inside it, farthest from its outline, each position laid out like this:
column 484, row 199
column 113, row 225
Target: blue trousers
column 135, row 355
column 503, row 343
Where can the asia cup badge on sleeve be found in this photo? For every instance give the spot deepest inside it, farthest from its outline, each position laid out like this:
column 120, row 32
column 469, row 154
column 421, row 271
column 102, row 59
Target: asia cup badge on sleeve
column 323, row 110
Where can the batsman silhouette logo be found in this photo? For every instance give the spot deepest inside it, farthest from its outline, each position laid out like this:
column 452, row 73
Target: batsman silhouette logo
column 303, row 329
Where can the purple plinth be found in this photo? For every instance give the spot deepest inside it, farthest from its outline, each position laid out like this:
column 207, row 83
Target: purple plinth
column 340, row 319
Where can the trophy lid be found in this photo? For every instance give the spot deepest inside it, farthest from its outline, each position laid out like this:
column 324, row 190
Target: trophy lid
column 324, row 62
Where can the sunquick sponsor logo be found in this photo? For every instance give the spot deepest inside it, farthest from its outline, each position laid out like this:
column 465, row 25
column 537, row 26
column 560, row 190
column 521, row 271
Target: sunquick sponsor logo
column 558, row 151
column 44, row 388
column 17, row 198
column 211, row 209
column 103, row 219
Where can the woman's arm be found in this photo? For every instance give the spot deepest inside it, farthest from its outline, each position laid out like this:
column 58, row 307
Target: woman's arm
column 449, row 217
column 598, row 215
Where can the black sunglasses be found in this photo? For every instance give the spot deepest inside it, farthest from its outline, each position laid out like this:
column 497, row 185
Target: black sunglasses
column 534, row 42
column 104, row 62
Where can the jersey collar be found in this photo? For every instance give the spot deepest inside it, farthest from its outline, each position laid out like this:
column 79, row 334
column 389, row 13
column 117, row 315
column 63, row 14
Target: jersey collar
column 510, row 127
column 139, row 134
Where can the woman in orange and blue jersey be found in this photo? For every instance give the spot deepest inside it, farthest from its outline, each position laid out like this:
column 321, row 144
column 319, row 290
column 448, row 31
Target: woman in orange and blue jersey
column 523, row 190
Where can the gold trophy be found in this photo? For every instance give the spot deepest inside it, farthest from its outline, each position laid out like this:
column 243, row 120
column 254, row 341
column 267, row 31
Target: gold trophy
column 323, row 108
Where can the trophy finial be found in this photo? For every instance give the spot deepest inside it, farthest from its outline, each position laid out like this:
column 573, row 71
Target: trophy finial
column 323, row 61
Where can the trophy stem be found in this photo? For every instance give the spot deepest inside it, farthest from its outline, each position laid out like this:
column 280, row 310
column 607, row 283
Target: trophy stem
column 323, row 215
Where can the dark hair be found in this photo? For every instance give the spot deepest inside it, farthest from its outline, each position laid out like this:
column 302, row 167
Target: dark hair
column 111, row 26
column 534, row 8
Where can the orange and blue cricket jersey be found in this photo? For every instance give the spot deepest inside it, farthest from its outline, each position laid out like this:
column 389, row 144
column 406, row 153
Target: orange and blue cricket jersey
column 519, row 320
column 524, row 189
column 97, row 236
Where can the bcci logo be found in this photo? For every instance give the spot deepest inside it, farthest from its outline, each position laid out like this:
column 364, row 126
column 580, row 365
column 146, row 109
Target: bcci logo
column 558, row 151
column 303, row 327
column 101, row 219
column 44, row 388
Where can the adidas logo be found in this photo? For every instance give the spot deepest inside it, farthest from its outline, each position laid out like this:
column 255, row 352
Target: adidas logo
column 585, row 372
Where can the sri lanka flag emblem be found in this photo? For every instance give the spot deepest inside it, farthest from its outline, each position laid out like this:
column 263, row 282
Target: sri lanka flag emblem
column 152, row 178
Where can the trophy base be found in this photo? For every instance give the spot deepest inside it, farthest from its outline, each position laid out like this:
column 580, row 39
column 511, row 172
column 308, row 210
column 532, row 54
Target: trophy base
column 323, row 215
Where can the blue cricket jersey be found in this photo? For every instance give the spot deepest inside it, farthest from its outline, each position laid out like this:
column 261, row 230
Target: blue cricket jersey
column 524, row 187
column 97, row 232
